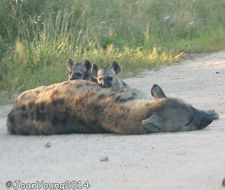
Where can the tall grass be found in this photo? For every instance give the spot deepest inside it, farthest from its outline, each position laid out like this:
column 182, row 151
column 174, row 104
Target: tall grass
column 37, row 37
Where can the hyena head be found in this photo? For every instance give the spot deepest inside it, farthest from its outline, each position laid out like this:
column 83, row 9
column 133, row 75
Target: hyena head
column 107, row 77
column 175, row 115
column 79, row 70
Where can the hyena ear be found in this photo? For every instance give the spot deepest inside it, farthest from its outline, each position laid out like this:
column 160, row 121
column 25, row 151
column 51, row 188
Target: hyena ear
column 94, row 70
column 157, row 92
column 153, row 123
column 87, row 65
column 70, row 64
column 116, row 67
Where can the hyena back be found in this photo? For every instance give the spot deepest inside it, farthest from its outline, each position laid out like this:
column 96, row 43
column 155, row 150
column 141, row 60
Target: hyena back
column 84, row 107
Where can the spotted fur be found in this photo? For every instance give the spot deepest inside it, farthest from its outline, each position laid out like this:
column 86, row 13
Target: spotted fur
column 84, row 107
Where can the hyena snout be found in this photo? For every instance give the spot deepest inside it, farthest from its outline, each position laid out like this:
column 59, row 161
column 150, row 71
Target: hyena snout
column 202, row 119
column 106, row 82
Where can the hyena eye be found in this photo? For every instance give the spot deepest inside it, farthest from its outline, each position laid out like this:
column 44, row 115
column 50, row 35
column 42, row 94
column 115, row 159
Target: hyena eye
column 78, row 74
column 109, row 78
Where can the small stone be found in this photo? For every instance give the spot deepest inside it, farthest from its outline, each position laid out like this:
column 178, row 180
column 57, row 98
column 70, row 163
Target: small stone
column 48, row 145
column 104, row 159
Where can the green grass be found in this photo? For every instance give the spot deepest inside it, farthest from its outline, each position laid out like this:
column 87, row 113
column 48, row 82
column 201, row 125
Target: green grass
column 37, row 37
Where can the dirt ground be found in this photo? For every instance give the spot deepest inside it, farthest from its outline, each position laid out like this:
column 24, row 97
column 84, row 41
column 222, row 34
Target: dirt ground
column 166, row 161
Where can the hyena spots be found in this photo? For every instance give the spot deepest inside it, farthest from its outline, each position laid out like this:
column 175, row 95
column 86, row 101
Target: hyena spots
column 93, row 109
column 107, row 77
column 79, row 70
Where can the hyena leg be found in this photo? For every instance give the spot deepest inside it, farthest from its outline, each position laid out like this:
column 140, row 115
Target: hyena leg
column 157, row 92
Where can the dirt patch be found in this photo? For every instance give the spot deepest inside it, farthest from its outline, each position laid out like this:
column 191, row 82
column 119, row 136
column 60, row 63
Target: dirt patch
column 188, row 160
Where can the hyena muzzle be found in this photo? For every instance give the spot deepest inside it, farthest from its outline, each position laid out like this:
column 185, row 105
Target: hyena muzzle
column 82, row 106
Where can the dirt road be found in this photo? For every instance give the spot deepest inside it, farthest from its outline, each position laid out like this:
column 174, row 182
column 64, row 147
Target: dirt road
column 169, row 161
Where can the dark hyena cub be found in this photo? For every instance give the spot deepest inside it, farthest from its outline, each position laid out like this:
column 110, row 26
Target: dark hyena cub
column 79, row 70
column 108, row 76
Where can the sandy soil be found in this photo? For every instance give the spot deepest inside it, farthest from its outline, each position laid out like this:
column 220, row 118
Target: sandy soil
column 169, row 161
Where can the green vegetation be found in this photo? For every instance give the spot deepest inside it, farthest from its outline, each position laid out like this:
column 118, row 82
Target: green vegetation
column 37, row 37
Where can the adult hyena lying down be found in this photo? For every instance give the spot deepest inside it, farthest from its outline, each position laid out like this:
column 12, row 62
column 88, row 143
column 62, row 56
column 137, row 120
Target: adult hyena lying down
column 84, row 107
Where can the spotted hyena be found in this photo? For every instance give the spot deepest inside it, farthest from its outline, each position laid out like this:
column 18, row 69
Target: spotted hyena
column 79, row 70
column 108, row 76
column 82, row 106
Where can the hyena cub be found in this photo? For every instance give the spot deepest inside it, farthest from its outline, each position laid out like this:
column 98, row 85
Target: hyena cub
column 107, row 77
column 80, row 70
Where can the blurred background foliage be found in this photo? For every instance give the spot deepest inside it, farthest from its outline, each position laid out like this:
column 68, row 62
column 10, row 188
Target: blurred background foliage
column 37, row 37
